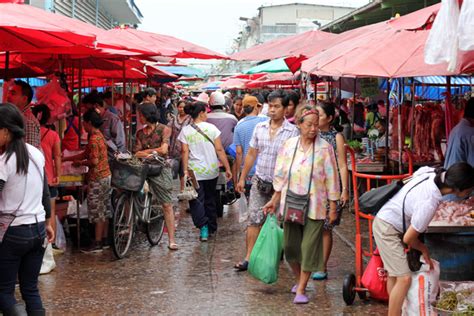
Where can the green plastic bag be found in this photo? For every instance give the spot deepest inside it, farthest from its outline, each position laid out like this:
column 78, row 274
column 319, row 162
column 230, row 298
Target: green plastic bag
column 266, row 254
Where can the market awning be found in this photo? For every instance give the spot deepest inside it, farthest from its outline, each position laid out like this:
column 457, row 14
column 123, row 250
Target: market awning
column 183, row 71
column 165, row 45
column 276, row 65
column 304, row 44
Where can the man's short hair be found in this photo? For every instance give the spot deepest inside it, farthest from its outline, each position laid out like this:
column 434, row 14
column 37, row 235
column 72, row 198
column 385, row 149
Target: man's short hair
column 26, row 89
column 94, row 99
column 279, row 94
column 469, row 110
column 107, row 95
column 149, row 92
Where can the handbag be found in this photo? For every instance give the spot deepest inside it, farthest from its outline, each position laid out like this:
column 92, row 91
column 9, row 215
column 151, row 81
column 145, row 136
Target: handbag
column 372, row 201
column 189, row 193
column 128, row 174
column 264, row 187
column 297, row 205
column 413, row 255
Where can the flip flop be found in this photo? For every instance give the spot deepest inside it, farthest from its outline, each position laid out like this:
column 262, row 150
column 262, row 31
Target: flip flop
column 173, row 246
column 294, row 288
column 242, row 266
column 301, row 299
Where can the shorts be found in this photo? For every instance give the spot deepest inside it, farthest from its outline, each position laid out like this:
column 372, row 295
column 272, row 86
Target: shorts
column 339, row 209
column 98, row 200
column 257, row 200
column 53, row 192
column 390, row 246
column 304, row 244
column 162, row 186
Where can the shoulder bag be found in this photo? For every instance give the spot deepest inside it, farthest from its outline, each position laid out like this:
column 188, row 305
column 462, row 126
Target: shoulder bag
column 193, row 125
column 297, row 205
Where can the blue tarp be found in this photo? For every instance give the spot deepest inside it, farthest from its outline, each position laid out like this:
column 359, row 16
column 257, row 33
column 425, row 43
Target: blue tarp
column 183, row 71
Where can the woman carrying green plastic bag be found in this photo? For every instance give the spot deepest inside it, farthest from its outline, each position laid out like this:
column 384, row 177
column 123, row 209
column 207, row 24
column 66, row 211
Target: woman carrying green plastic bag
column 266, row 254
column 306, row 191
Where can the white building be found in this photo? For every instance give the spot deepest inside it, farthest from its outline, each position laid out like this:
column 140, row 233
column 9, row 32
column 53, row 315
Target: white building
column 105, row 14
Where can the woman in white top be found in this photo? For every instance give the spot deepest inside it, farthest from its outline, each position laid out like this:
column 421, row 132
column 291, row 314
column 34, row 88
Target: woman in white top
column 202, row 149
column 24, row 221
column 419, row 198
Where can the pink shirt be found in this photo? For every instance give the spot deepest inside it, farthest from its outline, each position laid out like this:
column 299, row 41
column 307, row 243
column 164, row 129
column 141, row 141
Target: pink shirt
column 48, row 139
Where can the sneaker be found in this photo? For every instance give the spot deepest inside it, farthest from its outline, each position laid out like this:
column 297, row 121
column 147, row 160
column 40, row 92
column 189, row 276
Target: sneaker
column 204, row 233
column 105, row 243
column 319, row 276
column 95, row 248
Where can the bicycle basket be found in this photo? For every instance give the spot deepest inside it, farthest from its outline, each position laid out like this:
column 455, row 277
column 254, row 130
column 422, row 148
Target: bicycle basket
column 154, row 169
column 128, row 174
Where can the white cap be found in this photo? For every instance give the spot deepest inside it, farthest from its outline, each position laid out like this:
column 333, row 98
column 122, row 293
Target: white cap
column 217, row 98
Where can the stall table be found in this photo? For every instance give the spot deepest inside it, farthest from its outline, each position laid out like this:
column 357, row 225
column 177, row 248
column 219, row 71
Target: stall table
column 76, row 182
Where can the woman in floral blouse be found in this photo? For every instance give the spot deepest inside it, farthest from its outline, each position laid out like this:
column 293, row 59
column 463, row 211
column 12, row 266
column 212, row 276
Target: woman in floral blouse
column 98, row 178
column 155, row 137
column 304, row 244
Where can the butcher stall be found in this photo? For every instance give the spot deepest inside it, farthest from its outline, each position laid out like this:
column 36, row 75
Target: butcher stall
column 450, row 238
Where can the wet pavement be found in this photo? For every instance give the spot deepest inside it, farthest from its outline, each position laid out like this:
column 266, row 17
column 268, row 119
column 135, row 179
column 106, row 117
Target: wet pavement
column 197, row 279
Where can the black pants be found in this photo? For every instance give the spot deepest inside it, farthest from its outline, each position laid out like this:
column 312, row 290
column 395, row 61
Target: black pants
column 21, row 254
column 203, row 209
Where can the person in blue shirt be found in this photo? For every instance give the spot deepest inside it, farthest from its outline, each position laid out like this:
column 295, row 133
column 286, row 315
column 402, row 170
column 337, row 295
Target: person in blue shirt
column 243, row 133
column 461, row 139
column 461, row 142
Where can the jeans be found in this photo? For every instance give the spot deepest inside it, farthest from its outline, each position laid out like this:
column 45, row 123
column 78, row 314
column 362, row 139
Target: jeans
column 21, row 255
column 203, row 209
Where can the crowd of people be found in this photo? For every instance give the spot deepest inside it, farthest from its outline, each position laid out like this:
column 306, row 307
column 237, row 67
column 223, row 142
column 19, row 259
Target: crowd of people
column 275, row 147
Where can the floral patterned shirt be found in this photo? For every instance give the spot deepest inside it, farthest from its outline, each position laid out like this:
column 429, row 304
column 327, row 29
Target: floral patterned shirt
column 325, row 185
column 97, row 148
column 161, row 135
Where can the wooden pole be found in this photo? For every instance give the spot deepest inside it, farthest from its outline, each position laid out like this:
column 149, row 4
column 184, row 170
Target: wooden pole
column 124, row 88
column 448, row 118
column 412, row 115
column 400, row 140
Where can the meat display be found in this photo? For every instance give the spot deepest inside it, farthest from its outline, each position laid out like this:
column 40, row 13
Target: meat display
column 454, row 213
column 429, row 131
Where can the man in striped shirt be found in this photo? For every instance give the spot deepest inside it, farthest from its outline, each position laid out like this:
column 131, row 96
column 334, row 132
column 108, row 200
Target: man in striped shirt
column 266, row 140
column 20, row 94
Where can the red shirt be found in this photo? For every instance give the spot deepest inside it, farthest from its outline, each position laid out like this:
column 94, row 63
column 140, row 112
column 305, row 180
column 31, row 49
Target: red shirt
column 71, row 136
column 48, row 139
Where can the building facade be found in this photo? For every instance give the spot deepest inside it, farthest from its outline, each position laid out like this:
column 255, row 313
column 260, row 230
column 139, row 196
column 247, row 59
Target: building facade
column 105, row 14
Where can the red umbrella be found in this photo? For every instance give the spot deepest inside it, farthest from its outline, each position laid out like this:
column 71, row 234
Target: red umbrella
column 304, row 44
column 165, row 45
column 234, row 83
column 272, row 79
column 24, row 27
column 385, row 49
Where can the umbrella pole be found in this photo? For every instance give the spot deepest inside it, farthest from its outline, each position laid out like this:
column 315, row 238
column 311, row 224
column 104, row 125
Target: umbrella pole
column 124, row 87
column 387, row 123
column 412, row 115
column 448, row 119
column 79, row 102
column 353, row 109
column 340, row 91
column 400, row 140
column 5, row 77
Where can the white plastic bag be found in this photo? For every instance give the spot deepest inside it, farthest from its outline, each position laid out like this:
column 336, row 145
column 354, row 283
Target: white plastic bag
column 466, row 25
column 442, row 43
column 60, row 236
column 423, row 291
column 243, row 209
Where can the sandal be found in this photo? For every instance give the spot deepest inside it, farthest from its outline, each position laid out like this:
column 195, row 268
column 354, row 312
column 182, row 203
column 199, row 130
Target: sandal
column 173, row 246
column 242, row 266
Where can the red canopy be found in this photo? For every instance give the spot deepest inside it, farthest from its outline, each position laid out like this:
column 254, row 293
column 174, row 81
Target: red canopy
column 385, row 49
column 164, row 45
column 304, row 44
column 24, row 27
column 273, row 79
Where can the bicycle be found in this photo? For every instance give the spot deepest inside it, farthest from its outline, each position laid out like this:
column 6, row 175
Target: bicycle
column 132, row 210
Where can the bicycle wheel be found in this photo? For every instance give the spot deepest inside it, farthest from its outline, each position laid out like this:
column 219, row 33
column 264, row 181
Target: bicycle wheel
column 122, row 226
column 155, row 223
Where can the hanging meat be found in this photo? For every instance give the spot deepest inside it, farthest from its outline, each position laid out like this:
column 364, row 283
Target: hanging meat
column 438, row 130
